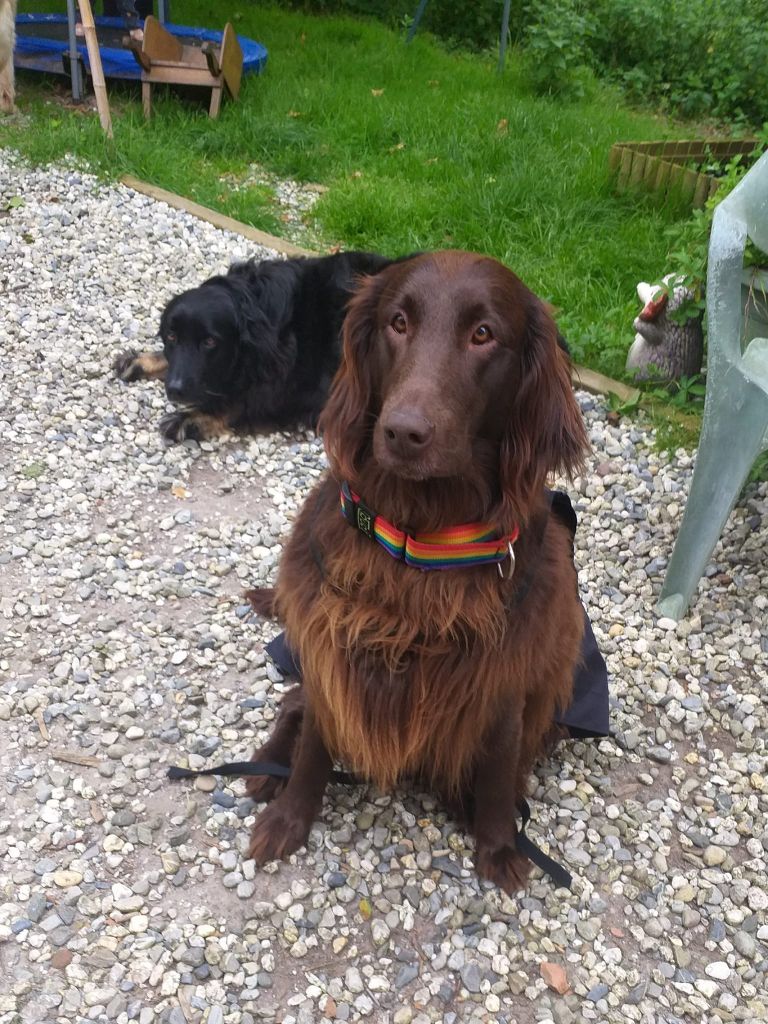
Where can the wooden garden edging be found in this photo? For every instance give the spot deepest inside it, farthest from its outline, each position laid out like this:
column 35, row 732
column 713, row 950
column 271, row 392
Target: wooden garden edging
column 664, row 168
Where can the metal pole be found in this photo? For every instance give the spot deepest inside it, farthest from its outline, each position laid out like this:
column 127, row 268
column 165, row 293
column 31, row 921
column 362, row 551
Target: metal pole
column 504, row 34
column 74, row 56
column 162, row 11
column 416, row 19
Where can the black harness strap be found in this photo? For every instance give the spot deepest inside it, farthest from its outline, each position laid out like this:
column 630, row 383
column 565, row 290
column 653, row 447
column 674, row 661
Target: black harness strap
column 524, row 844
column 559, row 875
column 271, row 768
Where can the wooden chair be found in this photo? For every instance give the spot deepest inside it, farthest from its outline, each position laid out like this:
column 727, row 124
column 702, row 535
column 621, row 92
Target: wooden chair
column 164, row 58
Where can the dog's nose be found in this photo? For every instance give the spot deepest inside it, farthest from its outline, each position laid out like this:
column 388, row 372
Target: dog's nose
column 174, row 389
column 407, row 433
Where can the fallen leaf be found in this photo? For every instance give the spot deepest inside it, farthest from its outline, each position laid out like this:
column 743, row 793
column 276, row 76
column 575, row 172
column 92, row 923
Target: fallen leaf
column 179, row 491
column 356, row 174
column 397, row 148
column 366, row 910
column 432, row 160
column 377, row 92
column 503, row 126
column 294, row 113
column 617, row 933
column 329, row 1010
column 555, row 977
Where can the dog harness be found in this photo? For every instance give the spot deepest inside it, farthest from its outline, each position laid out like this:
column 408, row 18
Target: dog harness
column 456, row 547
column 523, row 844
column 587, row 715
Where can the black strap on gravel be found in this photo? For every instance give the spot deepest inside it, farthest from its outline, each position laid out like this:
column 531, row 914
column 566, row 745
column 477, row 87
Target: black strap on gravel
column 523, row 843
column 559, row 875
column 272, row 768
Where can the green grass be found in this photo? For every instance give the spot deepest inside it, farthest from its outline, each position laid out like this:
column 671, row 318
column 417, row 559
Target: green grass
column 420, row 148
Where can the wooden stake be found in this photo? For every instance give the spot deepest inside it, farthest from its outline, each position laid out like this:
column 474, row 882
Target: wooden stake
column 97, row 72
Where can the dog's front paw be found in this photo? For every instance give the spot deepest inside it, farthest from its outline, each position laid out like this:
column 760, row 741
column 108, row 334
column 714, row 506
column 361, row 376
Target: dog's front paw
column 128, row 366
column 279, row 831
column 263, row 788
column 179, row 426
column 501, row 863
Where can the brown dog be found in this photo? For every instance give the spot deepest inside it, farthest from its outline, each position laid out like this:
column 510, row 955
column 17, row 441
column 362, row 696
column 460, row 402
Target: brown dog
column 452, row 405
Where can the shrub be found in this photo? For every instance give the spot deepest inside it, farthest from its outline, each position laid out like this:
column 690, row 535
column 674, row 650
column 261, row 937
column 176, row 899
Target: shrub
column 556, row 40
column 697, row 57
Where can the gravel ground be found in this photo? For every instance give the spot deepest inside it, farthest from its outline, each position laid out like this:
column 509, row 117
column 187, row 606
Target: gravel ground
column 125, row 646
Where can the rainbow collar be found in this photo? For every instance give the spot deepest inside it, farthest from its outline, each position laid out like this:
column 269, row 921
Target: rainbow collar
column 452, row 548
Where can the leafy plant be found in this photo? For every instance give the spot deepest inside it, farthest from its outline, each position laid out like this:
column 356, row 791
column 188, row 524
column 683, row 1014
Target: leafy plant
column 685, row 391
column 555, row 41
column 623, row 406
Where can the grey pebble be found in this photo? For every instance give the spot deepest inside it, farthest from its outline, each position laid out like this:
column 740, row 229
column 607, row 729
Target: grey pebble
column 407, row 974
column 471, row 976
column 597, row 993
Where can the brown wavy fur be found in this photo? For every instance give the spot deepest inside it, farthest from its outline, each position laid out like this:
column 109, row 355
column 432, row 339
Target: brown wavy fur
column 443, row 675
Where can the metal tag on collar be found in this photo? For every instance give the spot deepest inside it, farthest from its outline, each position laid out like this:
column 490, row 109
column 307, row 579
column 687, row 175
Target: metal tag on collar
column 364, row 520
column 511, row 572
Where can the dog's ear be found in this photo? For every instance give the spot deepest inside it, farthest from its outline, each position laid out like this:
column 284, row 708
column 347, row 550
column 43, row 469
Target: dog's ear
column 262, row 317
column 169, row 307
column 545, row 431
column 348, row 418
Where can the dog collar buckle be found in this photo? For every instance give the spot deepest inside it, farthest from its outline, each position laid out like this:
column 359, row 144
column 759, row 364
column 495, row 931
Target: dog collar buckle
column 364, row 520
column 511, row 571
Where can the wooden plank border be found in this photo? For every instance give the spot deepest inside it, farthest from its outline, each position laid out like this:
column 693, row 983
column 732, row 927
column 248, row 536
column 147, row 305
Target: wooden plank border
column 660, row 167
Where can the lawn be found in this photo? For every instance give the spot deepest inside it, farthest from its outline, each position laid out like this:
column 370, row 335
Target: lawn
column 419, row 148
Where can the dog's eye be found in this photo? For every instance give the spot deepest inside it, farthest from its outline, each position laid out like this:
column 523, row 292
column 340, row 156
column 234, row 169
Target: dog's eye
column 170, row 338
column 482, row 335
column 399, row 326
column 210, row 343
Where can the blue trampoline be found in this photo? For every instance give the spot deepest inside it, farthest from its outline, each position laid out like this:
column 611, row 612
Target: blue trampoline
column 42, row 44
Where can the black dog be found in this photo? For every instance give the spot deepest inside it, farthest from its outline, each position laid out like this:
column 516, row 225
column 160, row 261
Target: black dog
column 255, row 347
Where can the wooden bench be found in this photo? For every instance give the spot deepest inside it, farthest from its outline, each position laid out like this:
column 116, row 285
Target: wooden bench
column 164, row 58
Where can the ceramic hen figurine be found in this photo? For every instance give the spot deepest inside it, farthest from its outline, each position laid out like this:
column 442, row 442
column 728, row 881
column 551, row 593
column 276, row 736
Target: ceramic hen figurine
column 664, row 349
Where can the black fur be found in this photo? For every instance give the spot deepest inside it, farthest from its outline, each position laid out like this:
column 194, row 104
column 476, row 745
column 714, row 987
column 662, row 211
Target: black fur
column 276, row 326
column 255, row 347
